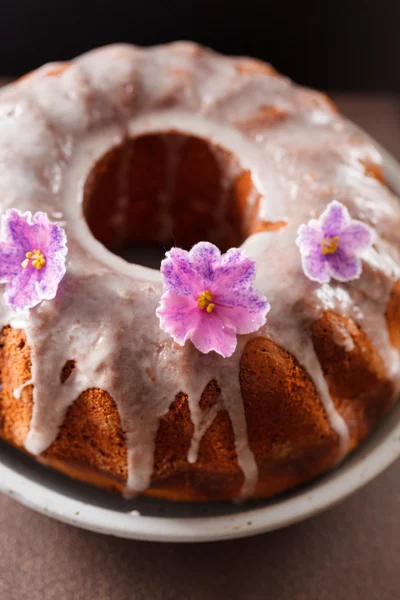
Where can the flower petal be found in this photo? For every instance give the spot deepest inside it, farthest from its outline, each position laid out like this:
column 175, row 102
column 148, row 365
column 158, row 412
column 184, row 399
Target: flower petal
column 178, row 273
column 15, row 228
column 334, row 219
column 22, row 233
column 244, row 310
column 356, row 237
column 235, row 306
column 22, row 290
column 205, row 257
column 50, row 277
column 234, row 271
column 40, row 231
column 179, row 315
column 343, row 266
column 49, row 237
column 315, row 266
column 11, row 258
column 213, row 335
column 309, row 236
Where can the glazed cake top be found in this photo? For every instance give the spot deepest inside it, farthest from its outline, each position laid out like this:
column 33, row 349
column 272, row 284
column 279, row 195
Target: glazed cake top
column 58, row 121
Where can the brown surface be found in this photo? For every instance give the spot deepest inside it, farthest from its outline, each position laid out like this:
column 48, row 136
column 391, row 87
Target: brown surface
column 350, row 552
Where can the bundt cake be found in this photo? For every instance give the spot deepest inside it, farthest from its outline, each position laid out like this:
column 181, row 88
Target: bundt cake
column 172, row 145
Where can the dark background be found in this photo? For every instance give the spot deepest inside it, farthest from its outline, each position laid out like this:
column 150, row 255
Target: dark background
column 353, row 44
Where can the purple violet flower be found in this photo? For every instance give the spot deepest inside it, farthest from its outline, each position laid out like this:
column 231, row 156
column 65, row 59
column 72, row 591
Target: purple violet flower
column 331, row 246
column 32, row 258
column 210, row 297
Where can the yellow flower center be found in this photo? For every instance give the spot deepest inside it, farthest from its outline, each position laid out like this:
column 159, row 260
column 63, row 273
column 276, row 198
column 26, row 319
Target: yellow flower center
column 36, row 258
column 205, row 301
column 329, row 245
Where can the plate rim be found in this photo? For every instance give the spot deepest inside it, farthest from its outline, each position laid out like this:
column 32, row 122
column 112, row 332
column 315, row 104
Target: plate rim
column 360, row 468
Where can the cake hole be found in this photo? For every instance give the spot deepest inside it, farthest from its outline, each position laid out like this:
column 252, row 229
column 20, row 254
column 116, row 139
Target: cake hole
column 161, row 190
column 148, row 255
column 67, row 370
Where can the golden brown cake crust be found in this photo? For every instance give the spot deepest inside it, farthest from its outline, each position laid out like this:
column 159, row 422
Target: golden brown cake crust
column 288, row 430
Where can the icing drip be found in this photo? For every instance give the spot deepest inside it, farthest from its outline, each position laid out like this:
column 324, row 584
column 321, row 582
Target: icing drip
column 18, row 391
column 226, row 374
column 201, row 421
column 52, row 132
column 173, row 148
column 233, row 403
column 342, row 338
column 119, row 217
column 311, row 364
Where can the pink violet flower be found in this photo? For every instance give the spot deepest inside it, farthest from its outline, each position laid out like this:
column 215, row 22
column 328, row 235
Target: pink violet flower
column 331, row 246
column 210, row 298
column 32, row 258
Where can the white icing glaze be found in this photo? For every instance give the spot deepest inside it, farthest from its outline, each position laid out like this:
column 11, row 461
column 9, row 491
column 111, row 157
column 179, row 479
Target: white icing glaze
column 18, row 391
column 342, row 337
column 52, row 131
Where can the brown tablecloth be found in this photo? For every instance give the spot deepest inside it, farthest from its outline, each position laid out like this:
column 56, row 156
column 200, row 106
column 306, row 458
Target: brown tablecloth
column 351, row 552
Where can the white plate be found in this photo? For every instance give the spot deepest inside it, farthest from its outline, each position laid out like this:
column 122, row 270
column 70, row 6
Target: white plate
column 53, row 494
